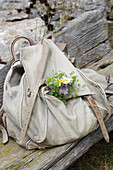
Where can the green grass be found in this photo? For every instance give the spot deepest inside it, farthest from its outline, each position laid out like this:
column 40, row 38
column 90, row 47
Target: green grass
column 99, row 157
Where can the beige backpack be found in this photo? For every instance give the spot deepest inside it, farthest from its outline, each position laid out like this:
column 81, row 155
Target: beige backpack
column 36, row 119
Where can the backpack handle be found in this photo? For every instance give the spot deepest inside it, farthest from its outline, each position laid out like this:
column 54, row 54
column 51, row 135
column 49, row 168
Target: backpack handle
column 15, row 40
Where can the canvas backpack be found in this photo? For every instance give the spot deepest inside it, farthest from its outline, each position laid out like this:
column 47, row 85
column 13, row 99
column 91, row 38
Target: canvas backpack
column 36, row 119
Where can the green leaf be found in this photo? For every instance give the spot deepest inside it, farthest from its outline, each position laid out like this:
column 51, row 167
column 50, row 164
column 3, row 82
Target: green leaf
column 72, row 73
column 51, row 93
column 83, row 86
column 55, row 84
column 52, row 90
column 64, row 101
column 56, row 95
column 75, row 95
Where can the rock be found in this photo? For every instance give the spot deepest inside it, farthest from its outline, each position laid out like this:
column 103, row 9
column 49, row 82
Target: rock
column 110, row 32
column 104, row 66
column 3, row 15
column 110, row 9
column 32, row 28
column 93, row 55
column 33, row 13
column 85, row 37
column 49, row 10
column 111, row 14
column 107, row 71
column 12, row 4
column 111, row 99
column 16, row 17
column 11, row 10
column 1, row 66
column 42, row 8
column 68, row 10
column 89, row 5
column 104, row 5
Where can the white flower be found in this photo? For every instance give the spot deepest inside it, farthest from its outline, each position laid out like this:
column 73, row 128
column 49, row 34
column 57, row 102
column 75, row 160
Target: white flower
column 66, row 80
column 60, row 81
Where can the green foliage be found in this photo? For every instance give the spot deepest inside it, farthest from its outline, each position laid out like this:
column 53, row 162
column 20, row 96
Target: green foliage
column 61, row 85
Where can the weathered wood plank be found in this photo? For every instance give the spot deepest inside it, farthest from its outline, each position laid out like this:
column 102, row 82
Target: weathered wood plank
column 85, row 37
column 82, row 147
column 14, row 156
column 11, row 153
column 41, row 159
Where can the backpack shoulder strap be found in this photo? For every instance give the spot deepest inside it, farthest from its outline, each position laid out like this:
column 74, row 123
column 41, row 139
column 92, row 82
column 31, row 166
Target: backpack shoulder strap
column 99, row 117
column 33, row 95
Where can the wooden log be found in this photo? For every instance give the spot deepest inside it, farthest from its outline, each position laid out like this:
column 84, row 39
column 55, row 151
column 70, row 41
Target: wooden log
column 86, row 37
column 34, row 159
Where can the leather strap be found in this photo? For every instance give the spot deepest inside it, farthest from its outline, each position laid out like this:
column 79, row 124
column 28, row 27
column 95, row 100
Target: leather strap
column 4, row 134
column 15, row 40
column 99, row 117
column 33, row 95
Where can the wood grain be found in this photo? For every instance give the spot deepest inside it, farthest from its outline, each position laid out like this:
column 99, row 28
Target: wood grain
column 85, row 37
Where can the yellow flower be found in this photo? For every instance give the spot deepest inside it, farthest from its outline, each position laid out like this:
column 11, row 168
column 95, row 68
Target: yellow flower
column 66, row 80
column 60, row 81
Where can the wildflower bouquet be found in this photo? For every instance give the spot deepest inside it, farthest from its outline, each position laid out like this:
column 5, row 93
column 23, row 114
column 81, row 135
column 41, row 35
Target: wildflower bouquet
column 60, row 85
